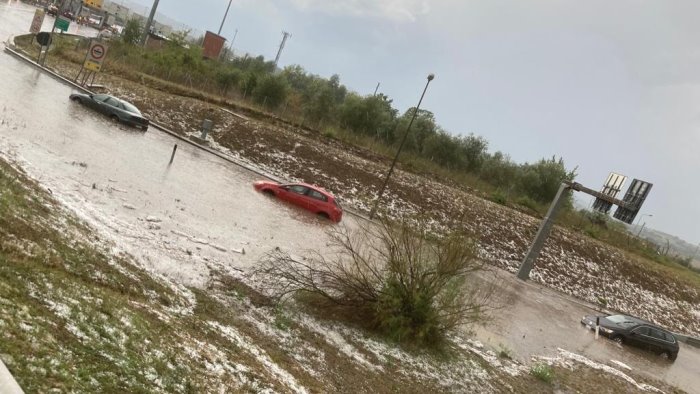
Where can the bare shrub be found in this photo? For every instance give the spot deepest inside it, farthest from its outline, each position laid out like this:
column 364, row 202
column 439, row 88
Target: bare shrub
column 413, row 286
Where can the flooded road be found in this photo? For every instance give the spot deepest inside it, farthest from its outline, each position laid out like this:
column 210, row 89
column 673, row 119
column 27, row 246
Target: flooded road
column 201, row 212
column 535, row 321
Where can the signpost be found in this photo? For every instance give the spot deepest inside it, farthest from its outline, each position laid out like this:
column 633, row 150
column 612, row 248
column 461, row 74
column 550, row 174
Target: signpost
column 93, row 61
column 95, row 55
column 44, row 39
column 37, row 21
column 62, row 23
column 626, row 212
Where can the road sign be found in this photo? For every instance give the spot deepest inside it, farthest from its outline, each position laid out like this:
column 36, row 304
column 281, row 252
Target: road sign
column 95, row 56
column 62, row 23
column 43, row 38
column 37, row 21
column 635, row 197
column 611, row 188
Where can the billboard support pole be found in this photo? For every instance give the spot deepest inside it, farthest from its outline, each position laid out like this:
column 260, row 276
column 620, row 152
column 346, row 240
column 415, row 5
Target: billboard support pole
column 542, row 234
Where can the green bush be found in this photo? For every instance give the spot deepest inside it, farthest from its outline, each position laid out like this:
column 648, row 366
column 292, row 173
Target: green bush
column 499, row 197
column 543, row 372
column 407, row 315
column 409, row 286
column 527, row 202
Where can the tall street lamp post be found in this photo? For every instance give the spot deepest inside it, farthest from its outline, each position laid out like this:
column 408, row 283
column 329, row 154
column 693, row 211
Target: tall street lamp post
column 398, row 152
column 147, row 28
column 645, row 223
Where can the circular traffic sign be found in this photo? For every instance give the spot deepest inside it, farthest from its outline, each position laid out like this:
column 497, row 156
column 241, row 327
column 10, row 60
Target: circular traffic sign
column 97, row 51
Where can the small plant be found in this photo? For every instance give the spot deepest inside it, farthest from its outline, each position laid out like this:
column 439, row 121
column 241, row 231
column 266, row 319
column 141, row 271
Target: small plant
column 602, row 301
column 527, row 202
column 282, row 321
column 499, row 197
column 543, row 372
column 329, row 133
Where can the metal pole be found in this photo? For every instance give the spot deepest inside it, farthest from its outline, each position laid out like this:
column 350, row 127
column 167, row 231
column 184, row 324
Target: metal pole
column 225, row 14
column 147, row 28
column 536, row 246
column 285, row 35
column 377, row 88
column 641, row 229
column 172, row 157
column 403, row 141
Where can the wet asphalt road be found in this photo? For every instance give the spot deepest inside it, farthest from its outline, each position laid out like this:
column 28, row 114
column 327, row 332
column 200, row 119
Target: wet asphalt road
column 201, row 212
column 535, row 321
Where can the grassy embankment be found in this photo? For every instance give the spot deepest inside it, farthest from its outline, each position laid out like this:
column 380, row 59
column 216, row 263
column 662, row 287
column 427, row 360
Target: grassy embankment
column 76, row 318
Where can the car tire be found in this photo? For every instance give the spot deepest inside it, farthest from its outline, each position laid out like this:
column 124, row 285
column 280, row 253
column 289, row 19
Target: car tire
column 323, row 215
column 618, row 339
column 77, row 100
column 114, row 118
column 269, row 193
column 666, row 356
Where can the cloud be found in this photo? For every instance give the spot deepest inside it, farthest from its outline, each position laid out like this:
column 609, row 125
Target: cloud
column 396, row 10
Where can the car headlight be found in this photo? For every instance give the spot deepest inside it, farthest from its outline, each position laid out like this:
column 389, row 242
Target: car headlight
column 606, row 330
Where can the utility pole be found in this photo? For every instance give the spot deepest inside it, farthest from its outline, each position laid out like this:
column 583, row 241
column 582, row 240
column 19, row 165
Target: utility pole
column 376, row 89
column 147, row 28
column 225, row 14
column 285, row 36
column 230, row 46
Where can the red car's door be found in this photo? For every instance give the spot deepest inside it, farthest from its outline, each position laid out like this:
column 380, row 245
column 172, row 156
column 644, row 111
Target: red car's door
column 295, row 194
column 318, row 202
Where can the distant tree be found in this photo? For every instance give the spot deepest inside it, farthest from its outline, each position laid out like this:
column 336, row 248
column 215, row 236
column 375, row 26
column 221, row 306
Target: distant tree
column 472, row 150
column 248, row 83
column 442, row 149
column 370, row 115
column 228, row 78
column 179, row 38
column 297, row 77
column 132, row 31
column 540, row 181
column 324, row 96
column 423, row 127
column 271, row 90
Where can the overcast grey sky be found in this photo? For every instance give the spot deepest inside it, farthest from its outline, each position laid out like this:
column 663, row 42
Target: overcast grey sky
column 608, row 85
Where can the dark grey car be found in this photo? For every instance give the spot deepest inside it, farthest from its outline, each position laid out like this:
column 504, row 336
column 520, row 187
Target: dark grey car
column 118, row 110
column 635, row 332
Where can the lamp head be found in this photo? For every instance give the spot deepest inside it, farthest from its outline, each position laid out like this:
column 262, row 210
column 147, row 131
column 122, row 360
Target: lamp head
column 431, row 77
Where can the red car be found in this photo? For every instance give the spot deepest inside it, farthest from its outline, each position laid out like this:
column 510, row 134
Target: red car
column 311, row 198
